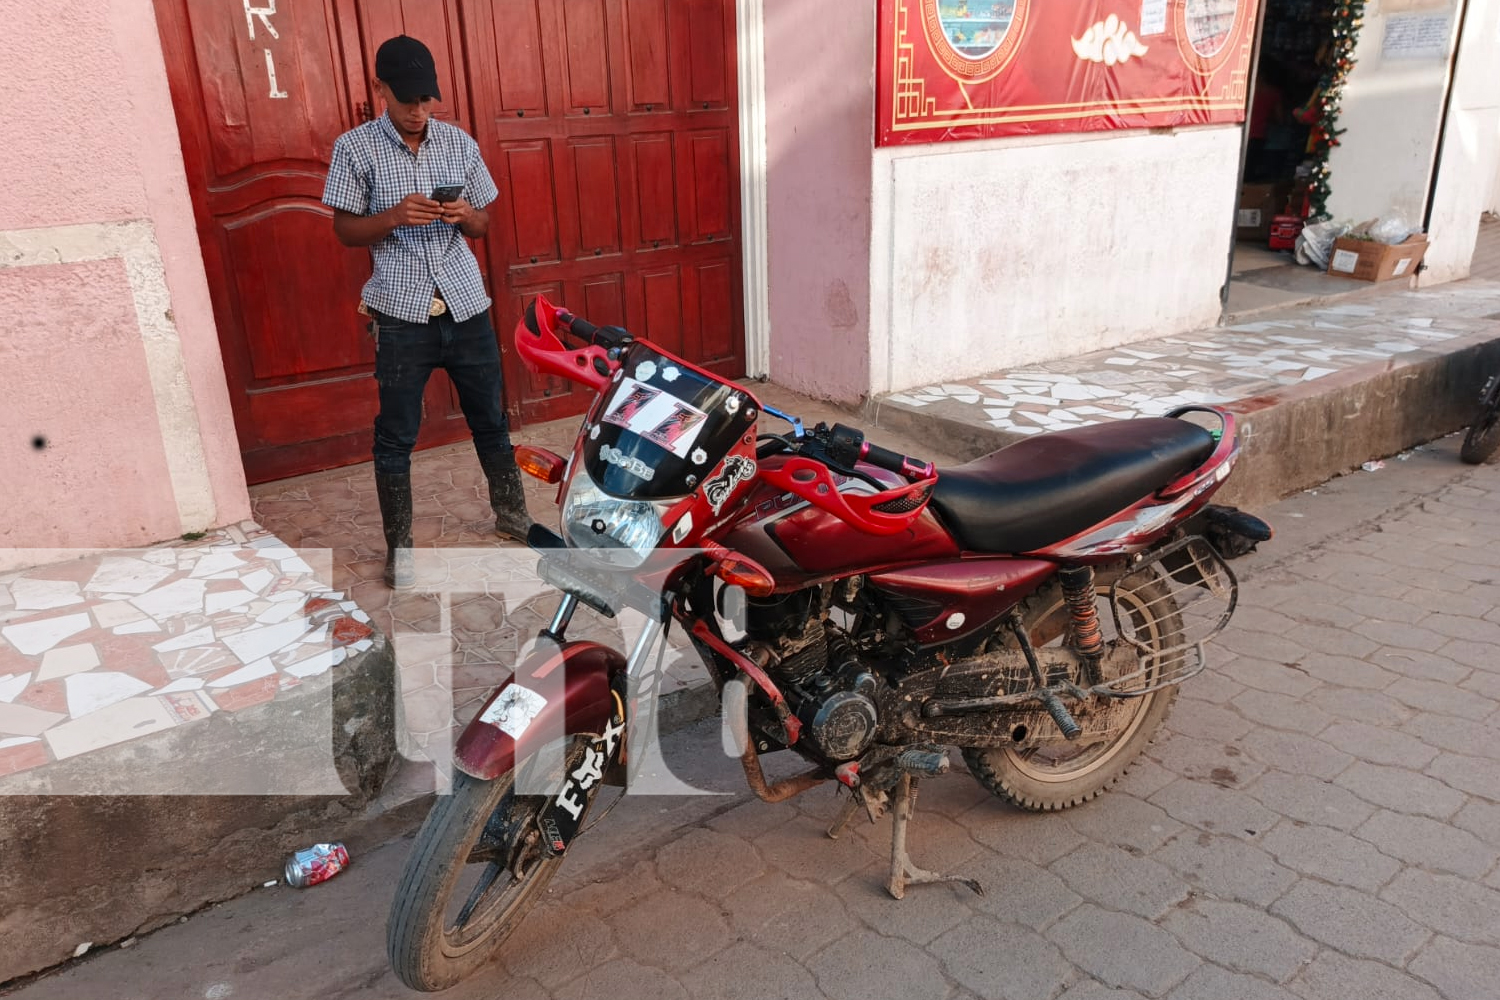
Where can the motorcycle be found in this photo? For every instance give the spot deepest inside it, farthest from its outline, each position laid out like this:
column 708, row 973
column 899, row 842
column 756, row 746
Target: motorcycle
column 1035, row 609
column 1483, row 436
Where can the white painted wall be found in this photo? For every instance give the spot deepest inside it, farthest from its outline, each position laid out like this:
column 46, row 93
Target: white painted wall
column 989, row 255
column 1390, row 113
column 1470, row 162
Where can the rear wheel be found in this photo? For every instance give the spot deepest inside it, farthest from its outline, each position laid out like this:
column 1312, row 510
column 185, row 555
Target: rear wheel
column 476, row 869
column 1057, row 775
column 1484, row 435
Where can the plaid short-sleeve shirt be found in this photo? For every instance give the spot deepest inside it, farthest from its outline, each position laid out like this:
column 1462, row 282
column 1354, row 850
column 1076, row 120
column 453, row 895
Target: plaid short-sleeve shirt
column 372, row 170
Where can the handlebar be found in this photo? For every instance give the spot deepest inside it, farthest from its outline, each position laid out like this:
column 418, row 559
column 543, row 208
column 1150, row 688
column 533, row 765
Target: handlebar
column 580, row 328
column 847, row 445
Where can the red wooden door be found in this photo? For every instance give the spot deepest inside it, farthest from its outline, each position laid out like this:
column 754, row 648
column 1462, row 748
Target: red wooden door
column 610, row 128
column 609, row 125
column 261, row 92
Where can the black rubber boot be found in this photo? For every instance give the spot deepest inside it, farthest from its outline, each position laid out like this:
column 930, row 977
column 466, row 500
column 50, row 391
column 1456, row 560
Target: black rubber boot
column 507, row 497
column 394, row 492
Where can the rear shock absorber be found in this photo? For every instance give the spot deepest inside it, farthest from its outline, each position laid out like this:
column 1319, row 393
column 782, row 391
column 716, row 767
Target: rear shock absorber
column 1079, row 595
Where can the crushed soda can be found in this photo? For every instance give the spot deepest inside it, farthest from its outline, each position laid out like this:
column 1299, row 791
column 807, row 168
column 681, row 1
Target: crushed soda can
column 318, row 863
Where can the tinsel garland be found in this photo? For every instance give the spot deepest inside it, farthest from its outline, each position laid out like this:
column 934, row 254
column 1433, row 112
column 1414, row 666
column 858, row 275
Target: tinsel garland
column 1323, row 108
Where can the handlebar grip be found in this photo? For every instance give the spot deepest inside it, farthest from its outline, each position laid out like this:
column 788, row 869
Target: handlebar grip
column 580, row 327
column 848, row 445
column 602, row 336
column 884, row 458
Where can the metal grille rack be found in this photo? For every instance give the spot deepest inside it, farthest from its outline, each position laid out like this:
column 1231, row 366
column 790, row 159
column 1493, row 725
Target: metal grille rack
column 1194, row 577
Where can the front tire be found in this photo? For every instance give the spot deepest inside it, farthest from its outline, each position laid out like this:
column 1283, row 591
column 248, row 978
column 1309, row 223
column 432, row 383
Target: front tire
column 475, row 870
column 1483, row 436
column 1059, row 776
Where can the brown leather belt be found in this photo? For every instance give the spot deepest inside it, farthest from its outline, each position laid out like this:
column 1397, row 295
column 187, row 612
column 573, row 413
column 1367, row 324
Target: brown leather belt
column 435, row 309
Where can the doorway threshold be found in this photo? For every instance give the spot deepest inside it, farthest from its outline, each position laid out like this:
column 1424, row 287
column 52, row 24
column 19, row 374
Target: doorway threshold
column 1266, row 280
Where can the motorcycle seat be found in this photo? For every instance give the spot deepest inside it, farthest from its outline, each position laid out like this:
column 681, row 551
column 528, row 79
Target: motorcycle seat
column 1047, row 488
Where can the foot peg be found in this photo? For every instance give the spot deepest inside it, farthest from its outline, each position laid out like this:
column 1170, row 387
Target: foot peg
column 928, row 763
column 1060, row 714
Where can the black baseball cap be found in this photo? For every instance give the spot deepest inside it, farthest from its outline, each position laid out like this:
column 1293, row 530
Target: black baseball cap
column 405, row 65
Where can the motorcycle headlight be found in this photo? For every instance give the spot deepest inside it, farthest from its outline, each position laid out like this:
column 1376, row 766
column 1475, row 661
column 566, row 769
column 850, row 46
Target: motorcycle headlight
column 592, row 519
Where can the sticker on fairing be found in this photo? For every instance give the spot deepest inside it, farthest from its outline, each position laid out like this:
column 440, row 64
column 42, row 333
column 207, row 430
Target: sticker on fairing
column 656, row 416
column 736, row 470
column 632, row 398
column 513, row 710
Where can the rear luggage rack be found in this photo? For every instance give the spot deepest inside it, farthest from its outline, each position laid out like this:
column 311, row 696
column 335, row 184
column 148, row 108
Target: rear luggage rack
column 1205, row 591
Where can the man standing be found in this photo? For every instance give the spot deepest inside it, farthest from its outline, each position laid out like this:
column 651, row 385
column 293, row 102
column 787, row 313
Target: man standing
column 386, row 188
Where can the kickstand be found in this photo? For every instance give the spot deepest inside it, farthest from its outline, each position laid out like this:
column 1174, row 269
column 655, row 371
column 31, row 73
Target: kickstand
column 903, row 872
column 846, row 814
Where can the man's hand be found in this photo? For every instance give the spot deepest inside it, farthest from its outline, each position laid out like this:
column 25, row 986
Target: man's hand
column 416, row 210
column 413, row 210
column 472, row 221
column 456, row 211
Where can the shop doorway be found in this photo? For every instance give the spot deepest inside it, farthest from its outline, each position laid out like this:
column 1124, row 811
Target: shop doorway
column 1295, row 47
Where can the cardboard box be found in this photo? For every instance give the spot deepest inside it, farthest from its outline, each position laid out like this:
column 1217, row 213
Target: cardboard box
column 1259, row 204
column 1366, row 260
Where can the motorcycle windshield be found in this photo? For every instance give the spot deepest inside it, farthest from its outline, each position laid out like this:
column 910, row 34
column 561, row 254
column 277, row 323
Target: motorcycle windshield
column 662, row 427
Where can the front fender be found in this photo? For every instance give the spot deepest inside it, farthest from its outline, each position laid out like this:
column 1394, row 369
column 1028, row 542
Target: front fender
column 557, row 691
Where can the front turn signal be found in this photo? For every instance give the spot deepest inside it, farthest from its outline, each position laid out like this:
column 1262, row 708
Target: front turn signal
column 539, row 462
column 748, row 575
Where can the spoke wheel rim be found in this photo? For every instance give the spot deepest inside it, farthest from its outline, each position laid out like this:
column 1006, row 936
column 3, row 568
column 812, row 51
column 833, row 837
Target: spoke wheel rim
column 1076, row 761
column 506, row 872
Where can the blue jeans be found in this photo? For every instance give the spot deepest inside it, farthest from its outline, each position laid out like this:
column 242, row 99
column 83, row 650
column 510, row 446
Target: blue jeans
column 405, row 356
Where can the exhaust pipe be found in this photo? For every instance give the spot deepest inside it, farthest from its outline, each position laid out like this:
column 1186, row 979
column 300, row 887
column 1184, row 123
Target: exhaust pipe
column 735, row 706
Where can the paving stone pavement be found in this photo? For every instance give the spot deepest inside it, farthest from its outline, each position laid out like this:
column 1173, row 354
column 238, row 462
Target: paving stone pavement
column 1320, row 820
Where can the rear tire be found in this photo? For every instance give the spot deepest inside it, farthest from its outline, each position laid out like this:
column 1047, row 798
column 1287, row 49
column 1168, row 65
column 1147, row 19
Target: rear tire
column 432, row 948
column 1483, row 436
column 1049, row 778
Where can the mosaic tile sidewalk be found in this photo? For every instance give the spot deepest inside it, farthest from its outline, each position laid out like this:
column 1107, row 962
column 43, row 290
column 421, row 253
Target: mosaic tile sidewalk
column 1215, row 366
column 108, row 648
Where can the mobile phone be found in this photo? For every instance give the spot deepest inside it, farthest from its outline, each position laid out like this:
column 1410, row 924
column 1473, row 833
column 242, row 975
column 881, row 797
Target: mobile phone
column 447, row 192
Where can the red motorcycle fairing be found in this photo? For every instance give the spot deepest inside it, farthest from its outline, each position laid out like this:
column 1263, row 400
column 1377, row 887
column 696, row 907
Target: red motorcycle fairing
column 961, row 597
column 572, row 682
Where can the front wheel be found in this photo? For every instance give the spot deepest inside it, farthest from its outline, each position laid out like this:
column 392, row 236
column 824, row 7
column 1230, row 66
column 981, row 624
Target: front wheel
column 1059, row 775
column 1484, row 435
column 477, row 867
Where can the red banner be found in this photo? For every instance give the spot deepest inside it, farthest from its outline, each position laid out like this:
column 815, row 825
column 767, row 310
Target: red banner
column 975, row 69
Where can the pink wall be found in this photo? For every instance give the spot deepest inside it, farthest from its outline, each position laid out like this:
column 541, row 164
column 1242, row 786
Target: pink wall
column 80, row 396
column 93, row 140
column 820, row 129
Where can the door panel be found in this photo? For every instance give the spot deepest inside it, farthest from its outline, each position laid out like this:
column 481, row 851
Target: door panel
column 586, row 57
column 515, row 57
column 292, row 326
column 706, row 185
column 649, row 79
column 708, row 87
column 655, row 184
column 622, row 197
column 597, row 195
column 529, row 202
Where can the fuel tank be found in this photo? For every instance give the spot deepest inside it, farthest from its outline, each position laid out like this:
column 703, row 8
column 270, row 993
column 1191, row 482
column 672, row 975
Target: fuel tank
column 799, row 543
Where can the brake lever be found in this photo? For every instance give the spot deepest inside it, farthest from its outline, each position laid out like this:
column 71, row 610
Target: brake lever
column 797, row 429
